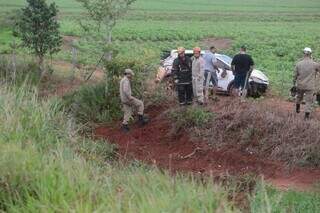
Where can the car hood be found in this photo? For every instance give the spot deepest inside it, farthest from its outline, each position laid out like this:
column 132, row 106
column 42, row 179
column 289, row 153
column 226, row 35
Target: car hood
column 259, row 75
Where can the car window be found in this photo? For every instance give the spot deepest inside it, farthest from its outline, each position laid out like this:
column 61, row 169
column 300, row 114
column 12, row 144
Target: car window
column 224, row 58
column 222, row 65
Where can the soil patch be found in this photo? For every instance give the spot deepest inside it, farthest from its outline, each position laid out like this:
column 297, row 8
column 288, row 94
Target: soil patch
column 67, row 41
column 61, row 82
column 219, row 43
column 156, row 145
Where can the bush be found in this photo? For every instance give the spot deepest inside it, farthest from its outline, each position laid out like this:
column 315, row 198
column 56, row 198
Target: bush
column 186, row 117
column 101, row 103
column 91, row 104
column 270, row 131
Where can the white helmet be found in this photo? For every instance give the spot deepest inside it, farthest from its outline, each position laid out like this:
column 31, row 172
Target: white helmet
column 307, row 50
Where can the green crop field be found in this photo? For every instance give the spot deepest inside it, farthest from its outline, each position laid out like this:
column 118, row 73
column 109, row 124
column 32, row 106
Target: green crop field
column 46, row 165
column 274, row 30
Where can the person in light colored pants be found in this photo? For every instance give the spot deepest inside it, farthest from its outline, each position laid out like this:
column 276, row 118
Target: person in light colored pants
column 305, row 81
column 198, row 75
column 129, row 102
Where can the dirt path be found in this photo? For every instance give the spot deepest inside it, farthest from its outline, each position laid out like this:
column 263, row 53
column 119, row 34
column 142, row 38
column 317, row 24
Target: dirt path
column 156, row 145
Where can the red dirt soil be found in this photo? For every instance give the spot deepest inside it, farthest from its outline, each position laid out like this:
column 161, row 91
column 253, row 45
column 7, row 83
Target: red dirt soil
column 156, row 145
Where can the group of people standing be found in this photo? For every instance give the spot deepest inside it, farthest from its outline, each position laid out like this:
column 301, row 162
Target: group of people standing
column 193, row 76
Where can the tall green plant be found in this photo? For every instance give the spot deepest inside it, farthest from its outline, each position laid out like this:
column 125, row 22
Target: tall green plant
column 38, row 29
column 104, row 14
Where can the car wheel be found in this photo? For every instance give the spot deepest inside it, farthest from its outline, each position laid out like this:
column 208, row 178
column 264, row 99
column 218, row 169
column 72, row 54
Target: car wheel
column 253, row 90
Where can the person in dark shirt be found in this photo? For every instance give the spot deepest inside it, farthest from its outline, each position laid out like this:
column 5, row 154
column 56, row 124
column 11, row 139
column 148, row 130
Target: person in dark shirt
column 242, row 65
column 182, row 73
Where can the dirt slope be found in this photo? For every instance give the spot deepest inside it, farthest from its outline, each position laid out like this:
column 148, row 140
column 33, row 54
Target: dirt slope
column 155, row 144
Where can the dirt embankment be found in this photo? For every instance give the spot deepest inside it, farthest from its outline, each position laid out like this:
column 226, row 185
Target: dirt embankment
column 156, row 145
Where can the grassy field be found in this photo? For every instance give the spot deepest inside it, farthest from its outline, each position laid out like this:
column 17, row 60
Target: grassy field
column 274, row 31
column 47, row 167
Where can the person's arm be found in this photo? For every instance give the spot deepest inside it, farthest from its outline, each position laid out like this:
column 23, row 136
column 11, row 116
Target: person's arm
column 251, row 65
column 127, row 90
column 295, row 75
column 202, row 64
column 175, row 69
column 318, row 68
column 215, row 63
column 233, row 65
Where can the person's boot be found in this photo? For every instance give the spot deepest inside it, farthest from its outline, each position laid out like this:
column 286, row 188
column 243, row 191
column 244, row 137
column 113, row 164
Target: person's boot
column 125, row 128
column 143, row 120
column 318, row 99
column 297, row 108
column 307, row 116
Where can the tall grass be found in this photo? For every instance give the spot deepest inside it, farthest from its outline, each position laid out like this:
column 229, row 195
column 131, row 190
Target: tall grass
column 268, row 130
column 267, row 199
column 46, row 167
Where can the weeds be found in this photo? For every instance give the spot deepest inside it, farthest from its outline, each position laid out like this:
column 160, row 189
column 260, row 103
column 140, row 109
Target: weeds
column 24, row 71
column 267, row 130
column 186, row 117
column 91, row 105
column 267, row 199
column 46, row 166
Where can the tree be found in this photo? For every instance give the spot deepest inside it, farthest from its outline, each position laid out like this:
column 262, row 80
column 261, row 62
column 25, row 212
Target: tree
column 38, row 29
column 105, row 14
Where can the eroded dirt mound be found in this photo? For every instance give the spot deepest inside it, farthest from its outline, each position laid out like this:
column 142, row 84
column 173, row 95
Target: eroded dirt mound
column 219, row 43
column 155, row 144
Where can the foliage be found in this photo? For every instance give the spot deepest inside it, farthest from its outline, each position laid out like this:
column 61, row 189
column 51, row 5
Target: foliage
column 186, row 117
column 91, row 105
column 269, row 28
column 273, row 132
column 104, row 15
column 38, row 29
column 267, row 199
column 46, row 166
column 25, row 71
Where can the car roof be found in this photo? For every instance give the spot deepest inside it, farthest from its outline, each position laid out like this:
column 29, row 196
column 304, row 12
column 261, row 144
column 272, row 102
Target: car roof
column 186, row 51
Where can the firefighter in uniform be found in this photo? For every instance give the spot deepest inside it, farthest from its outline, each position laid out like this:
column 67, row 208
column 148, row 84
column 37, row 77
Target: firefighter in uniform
column 182, row 73
column 304, row 81
column 129, row 102
column 198, row 75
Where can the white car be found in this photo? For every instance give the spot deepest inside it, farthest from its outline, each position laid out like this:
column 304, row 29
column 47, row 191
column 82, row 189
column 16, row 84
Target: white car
column 258, row 81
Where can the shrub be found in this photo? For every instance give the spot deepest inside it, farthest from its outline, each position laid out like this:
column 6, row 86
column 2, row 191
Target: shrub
column 101, row 103
column 91, row 104
column 186, row 117
column 267, row 130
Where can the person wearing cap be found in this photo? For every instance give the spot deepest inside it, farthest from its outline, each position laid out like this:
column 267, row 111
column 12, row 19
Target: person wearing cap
column 304, row 80
column 242, row 66
column 129, row 102
column 182, row 73
column 210, row 70
column 198, row 75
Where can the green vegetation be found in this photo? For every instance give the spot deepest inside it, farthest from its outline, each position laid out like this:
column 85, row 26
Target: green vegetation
column 274, row 31
column 46, row 167
column 38, row 29
column 191, row 117
column 267, row 199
